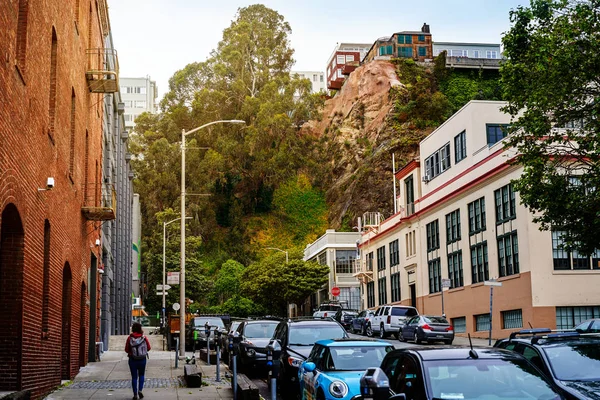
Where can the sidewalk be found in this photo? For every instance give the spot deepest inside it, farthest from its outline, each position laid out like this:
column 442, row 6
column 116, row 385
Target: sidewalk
column 110, row 379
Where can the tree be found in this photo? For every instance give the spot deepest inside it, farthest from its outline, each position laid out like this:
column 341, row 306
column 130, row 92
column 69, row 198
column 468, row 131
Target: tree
column 551, row 81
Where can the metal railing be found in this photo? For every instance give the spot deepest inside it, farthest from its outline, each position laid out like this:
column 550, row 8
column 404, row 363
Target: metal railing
column 102, row 72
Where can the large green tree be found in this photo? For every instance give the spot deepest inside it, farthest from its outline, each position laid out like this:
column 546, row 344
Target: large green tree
column 551, row 80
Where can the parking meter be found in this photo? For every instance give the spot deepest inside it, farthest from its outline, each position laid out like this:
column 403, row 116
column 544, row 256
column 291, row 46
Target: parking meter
column 207, row 333
column 374, row 384
column 234, row 341
column 273, row 354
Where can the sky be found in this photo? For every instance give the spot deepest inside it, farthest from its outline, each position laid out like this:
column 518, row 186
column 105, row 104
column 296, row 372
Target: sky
column 156, row 38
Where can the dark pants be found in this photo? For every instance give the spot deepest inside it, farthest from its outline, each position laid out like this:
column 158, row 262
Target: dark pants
column 137, row 368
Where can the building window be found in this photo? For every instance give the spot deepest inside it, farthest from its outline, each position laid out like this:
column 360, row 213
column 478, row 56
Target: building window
column 433, row 235
column 72, row 141
column 369, row 261
column 491, row 54
column 128, row 117
column 349, row 58
column 477, row 216
column 341, row 59
column 140, row 104
column 421, row 38
column 344, row 261
column 460, row 147
column 459, row 324
column 386, row 50
column 22, row 34
column 321, row 76
column 411, row 244
column 422, row 51
column 438, row 162
column 459, row 53
column 370, row 294
column 405, row 39
column 505, row 204
column 508, row 254
column 322, row 258
column 435, row 276
column 476, row 54
column 381, row 258
column 315, row 77
column 395, row 282
column 46, row 287
column 453, row 226
column 128, row 103
column 479, row 262
column 381, row 285
column 340, row 75
column 482, row 322
column 410, row 195
column 567, row 260
column 455, row 269
column 52, row 97
column 405, row 52
column 496, row 132
column 394, row 253
column 568, row 317
column 512, row 319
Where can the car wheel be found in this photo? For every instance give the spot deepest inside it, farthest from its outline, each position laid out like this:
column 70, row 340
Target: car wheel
column 416, row 339
column 369, row 331
column 363, row 331
column 382, row 332
column 320, row 395
column 401, row 336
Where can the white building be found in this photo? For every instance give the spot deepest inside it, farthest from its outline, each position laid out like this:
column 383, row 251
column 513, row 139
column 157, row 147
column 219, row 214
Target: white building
column 337, row 250
column 461, row 223
column 139, row 95
column 316, row 78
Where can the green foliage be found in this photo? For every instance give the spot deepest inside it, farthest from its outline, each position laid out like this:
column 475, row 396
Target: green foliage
column 462, row 86
column 551, row 80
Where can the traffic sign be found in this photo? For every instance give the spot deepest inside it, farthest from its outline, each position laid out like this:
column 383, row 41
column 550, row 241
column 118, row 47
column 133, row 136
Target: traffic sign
column 335, row 291
column 160, row 287
column 173, row 278
column 161, row 293
column 492, row 283
column 446, row 283
column 176, row 306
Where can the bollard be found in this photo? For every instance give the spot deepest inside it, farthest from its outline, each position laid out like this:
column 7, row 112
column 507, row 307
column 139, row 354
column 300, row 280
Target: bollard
column 218, row 351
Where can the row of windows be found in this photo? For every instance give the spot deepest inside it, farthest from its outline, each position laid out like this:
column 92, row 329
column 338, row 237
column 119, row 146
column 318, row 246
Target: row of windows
column 568, row 260
column 371, row 294
column 438, row 162
column 135, row 104
column 133, row 89
column 408, row 39
column 492, row 54
column 403, row 52
column 381, row 285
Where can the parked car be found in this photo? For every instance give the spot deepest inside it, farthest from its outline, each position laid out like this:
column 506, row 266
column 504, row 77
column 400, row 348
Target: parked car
column 297, row 338
column 359, row 324
column 334, row 367
column 255, row 335
column 198, row 324
column 427, row 328
column 345, row 317
column 389, row 319
column 570, row 359
column 225, row 338
column 328, row 309
column 589, row 326
column 465, row 373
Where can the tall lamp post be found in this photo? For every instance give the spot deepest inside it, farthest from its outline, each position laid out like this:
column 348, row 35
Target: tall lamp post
column 164, row 292
column 182, row 273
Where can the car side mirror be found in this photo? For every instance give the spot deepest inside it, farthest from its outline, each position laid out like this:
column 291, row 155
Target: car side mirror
column 309, row 366
column 400, row 396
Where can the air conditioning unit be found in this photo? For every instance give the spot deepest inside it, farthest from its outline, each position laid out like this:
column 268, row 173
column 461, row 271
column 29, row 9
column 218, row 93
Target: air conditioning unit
column 426, row 178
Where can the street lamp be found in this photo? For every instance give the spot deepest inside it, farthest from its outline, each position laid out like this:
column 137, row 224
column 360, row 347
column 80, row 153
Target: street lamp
column 182, row 273
column 164, row 266
column 283, row 251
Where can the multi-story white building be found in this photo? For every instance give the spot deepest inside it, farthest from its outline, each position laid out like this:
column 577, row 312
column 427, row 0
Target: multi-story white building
column 338, row 251
column 316, row 78
column 461, row 220
column 139, row 95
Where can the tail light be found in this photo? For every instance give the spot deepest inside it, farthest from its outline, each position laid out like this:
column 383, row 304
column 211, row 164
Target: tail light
column 450, row 328
column 325, row 315
column 426, row 327
column 389, row 319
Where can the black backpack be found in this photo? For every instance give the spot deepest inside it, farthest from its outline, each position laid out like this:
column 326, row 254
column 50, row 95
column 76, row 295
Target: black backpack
column 139, row 348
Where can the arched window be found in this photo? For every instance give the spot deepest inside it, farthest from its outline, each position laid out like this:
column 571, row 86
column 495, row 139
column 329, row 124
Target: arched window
column 22, row 34
column 46, row 287
column 53, row 63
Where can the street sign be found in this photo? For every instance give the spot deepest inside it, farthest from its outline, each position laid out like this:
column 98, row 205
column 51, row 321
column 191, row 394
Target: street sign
column 176, row 306
column 445, row 283
column 335, row 291
column 161, row 293
column 492, row 283
column 160, row 287
column 173, row 278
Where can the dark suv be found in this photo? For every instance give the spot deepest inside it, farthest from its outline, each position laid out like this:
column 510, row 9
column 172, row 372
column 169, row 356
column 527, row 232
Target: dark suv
column 297, row 338
column 570, row 359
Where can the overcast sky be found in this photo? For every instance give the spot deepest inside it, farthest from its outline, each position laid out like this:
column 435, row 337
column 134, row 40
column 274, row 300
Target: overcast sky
column 159, row 37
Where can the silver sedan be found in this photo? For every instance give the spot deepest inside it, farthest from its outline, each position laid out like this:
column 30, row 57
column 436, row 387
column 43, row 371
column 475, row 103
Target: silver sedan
column 427, row 328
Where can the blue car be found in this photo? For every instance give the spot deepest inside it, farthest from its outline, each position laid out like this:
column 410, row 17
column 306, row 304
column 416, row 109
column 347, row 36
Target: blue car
column 334, row 367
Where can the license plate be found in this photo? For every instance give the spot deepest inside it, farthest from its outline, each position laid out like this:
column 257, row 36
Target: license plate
column 440, row 336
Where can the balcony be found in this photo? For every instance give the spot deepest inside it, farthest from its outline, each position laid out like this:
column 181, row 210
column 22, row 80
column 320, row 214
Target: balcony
column 364, row 272
column 100, row 202
column 348, row 68
column 467, row 62
column 102, row 73
column 335, row 85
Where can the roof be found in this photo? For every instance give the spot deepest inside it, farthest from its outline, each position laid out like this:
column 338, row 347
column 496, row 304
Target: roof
column 466, row 44
column 350, row 342
column 556, row 341
column 315, row 321
column 412, row 33
column 432, row 353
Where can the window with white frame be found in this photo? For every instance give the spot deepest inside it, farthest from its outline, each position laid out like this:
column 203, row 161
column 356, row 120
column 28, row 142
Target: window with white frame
column 349, row 58
column 394, row 253
column 476, row 54
column 435, row 276
column 341, row 59
column 438, row 162
column 411, row 244
column 455, row 269
column 344, row 261
column 480, row 271
column 459, row 53
column 140, row 104
column 128, row 104
column 339, row 73
column 315, row 77
column 491, row 54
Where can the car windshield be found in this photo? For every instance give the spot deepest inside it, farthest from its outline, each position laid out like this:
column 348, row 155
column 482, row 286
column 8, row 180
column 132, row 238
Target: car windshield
column 576, row 362
column 356, row 358
column 234, row 326
column 308, row 335
column 260, row 330
column 505, row 379
column 398, row 311
column 435, row 320
column 212, row 321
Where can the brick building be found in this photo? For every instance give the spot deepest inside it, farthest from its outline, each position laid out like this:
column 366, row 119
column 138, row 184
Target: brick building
column 406, row 44
column 51, row 111
column 343, row 60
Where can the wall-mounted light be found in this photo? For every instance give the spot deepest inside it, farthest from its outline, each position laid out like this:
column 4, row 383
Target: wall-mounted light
column 49, row 184
column 97, row 242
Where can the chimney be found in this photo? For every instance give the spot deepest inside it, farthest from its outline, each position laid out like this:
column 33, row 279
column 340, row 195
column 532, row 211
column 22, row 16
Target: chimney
column 425, row 28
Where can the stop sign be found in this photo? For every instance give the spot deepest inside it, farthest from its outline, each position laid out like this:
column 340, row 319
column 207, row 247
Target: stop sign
column 335, row 291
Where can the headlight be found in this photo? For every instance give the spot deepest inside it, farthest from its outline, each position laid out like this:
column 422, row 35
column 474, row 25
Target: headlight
column 338, row 389
column 250, row 352
column 295, row 362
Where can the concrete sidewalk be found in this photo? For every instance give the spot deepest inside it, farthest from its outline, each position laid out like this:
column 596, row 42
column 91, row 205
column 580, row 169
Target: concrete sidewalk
column 110, row 379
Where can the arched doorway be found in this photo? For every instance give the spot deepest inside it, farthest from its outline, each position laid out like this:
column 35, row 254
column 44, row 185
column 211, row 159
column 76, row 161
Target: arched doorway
column 66, row 322
column 82, row 348
column 12, row 243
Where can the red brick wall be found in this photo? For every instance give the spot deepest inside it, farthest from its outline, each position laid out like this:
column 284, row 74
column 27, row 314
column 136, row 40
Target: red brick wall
column 28, row 156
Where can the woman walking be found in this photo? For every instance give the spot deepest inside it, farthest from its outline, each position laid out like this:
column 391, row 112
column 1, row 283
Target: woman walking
column 137, row 348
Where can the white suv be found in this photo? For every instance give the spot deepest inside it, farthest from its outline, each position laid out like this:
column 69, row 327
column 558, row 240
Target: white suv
column 390, row 319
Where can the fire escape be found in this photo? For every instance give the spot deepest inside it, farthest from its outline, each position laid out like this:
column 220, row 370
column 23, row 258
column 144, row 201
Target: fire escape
column 372, row 222
column 100, row 203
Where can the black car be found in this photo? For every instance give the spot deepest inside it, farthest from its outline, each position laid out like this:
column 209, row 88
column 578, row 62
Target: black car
column 465, row 373
column 297, row 338
column 570, row 359
column 196, row 333
column 428, row 329
column 255, row 335
column 359, row 324
column 345, row 317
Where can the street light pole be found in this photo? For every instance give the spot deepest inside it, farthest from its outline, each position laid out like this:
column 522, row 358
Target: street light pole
column 164, row 304
column 182, row 273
